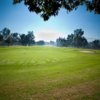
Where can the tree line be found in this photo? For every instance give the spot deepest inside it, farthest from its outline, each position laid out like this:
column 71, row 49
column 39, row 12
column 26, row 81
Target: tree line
column 76, row 39
column 8, row 38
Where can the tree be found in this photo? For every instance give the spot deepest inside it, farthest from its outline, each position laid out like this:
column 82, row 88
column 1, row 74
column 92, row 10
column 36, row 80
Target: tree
column 96, row 44
column 61, row 42
column 84, row 42
column 16, row 38
column 70, row 40
column 48, row 8
column 27, row 39
column 30, row 38
column 7, row 37
column 77, row 39
column 1, row 37
column 52, row 43
column 5, row 33
column 41, row 42
column 23, row 39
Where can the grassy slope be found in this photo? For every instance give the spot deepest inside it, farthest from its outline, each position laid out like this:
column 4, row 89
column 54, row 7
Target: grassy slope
column 49, row 73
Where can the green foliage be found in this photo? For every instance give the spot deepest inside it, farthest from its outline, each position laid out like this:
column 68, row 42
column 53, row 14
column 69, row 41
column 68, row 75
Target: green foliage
column 16, row 38
column 7, row 38
column 77, row 39
column 48, row 8
column 1, row 37
column 41, row 42
column 27, row 39
column 96, row 44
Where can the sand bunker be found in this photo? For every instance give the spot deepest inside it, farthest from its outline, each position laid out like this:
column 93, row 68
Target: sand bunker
column 86, row 51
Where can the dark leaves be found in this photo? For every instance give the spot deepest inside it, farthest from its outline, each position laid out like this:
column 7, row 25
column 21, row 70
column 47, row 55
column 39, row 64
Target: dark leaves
column 48, row 8
column 45, row 17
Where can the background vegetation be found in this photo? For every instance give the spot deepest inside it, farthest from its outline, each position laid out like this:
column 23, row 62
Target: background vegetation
column 76, row 39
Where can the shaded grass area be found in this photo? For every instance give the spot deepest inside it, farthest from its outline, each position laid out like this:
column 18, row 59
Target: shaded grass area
column 49, row 73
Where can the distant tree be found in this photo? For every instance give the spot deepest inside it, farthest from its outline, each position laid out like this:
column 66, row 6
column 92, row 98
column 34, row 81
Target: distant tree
column 70, row 40
column 95, row 44
column 30, row 38
column 27, row 39
column 5, row 33
column 23, row 39
column 7, row 37
column 52, row 43
column 1, row 37
column 61, row 42
column 9, row 40
column 16, row 38
column 78, row 39
column 47, row 8
column 41, row 42
column 84, row 42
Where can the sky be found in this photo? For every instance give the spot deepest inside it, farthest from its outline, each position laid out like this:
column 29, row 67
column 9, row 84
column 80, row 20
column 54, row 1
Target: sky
column 18, row 19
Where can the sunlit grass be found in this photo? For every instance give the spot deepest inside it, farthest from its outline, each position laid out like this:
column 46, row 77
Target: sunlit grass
column 49, row 73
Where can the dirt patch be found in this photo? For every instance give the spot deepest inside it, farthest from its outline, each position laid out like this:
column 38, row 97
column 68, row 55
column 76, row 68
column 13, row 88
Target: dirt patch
column 75, row 92
column 21, row 91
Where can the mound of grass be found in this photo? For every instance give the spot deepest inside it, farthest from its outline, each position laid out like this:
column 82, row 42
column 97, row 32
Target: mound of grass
column 49, row 73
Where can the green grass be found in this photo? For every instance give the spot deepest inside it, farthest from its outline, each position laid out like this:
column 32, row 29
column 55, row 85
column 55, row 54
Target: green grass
column 49, row 73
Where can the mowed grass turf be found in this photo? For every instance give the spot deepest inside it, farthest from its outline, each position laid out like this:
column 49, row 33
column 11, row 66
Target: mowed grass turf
column 49, row 73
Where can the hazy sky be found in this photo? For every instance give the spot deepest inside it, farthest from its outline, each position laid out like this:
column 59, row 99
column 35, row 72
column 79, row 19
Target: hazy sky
column 19, row 19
